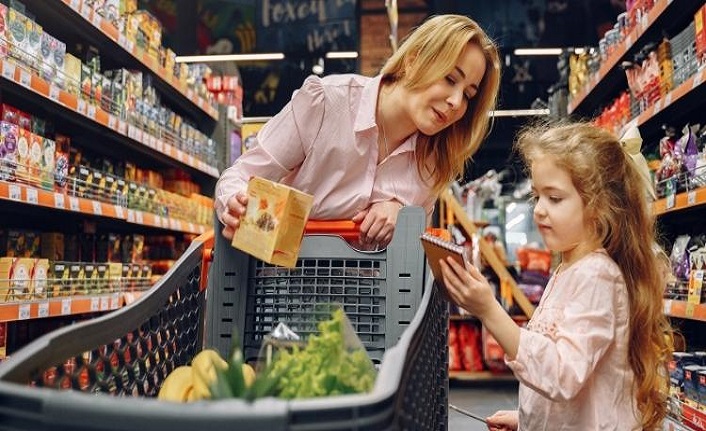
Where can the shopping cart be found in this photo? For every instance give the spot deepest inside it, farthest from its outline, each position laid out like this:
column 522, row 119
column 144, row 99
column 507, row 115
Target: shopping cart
column 114, row 364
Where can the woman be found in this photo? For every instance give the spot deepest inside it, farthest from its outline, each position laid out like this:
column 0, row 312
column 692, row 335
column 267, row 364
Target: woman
column 365, row 147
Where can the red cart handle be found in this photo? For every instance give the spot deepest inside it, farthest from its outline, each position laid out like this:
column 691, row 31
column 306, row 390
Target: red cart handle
column 344, row 228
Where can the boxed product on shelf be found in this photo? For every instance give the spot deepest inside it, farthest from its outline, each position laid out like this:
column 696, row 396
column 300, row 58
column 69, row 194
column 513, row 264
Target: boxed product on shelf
column 77, row 278
column 72, row 74
column 15, row 278
column 47, row 164
column 9, row 135
column 40, row 278
column 61, row 279
column 52, row 52
column 62, row 146
column 700, row 34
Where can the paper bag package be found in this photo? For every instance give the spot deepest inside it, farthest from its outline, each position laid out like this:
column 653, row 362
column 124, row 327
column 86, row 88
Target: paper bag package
column 273, row 225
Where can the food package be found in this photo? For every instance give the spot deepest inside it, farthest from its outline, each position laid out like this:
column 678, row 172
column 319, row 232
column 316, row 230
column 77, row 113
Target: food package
column 273, row 224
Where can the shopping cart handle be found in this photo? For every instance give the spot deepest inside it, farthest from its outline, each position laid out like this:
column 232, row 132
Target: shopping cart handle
column 344, row 228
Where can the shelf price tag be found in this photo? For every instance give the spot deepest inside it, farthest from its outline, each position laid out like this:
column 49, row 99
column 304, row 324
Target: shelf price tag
column 43, row 309
column 97, row 208
column 32, row 196
column 97, row 20
column 23, row 311
column 65, row 306
column 192, row 228
column 657, row 106
column 8, row 70
column 74, row 204
column 139, row 218
column 81, row 107
column 131, row 216
column 15, row 192
column 119, row 212
column 86, row 11
column 668, row 307
column 112, row 122
column 25, row 78
column 54, row 93
column 668, row 99
column 75, row 4
column 122, row 127
column 59, row 201
column 95, row 303
column 114, row 301
column 91, row 111
column 691, row 198
column 105, row 303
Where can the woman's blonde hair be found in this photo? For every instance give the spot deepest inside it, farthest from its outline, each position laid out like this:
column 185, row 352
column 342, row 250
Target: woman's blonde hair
column 613, row 193
column 428, row 54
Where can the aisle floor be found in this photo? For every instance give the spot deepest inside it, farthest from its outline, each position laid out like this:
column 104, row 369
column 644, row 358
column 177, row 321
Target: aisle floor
column 480, row 398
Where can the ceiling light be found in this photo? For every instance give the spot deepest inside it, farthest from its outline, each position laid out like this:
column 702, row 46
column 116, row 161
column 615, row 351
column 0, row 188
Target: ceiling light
column 519, row 113
column 230, row 57
column 342, row 54
column 538, row 51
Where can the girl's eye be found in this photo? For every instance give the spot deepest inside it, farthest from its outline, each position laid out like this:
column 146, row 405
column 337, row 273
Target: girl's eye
column 450, row 79
column 554, row 199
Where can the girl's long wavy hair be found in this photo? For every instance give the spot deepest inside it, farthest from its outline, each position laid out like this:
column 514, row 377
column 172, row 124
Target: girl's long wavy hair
column 428, row 54
column 615, row 201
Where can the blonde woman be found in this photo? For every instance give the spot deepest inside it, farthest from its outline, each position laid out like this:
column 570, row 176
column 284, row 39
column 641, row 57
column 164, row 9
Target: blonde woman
column 367, row 146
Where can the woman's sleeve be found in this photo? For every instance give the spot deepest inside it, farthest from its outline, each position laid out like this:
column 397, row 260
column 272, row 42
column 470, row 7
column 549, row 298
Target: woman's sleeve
column 558, row 359
column 282, row 144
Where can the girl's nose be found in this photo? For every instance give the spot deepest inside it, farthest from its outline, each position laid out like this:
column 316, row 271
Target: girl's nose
column 455, row 99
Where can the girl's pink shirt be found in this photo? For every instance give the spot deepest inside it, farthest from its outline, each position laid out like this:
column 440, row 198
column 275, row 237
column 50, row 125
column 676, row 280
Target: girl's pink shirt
column 324, row 142
column 572, row 361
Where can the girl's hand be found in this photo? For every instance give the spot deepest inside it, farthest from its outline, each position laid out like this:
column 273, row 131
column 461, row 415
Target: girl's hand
column 467, row 287
column 235, row 209
column 503, row 420
column 377, row 223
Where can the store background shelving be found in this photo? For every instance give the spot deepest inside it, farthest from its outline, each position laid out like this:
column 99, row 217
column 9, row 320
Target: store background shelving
column 95, row 127
column 676, row 213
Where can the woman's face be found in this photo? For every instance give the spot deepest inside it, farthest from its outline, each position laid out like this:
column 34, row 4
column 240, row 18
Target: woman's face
column 445, row 101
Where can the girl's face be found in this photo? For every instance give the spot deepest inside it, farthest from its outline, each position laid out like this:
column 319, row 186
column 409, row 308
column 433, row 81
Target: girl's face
column 559, row 211
column 445, row 101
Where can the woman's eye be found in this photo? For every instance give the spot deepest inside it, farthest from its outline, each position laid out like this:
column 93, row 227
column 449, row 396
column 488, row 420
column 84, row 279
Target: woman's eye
column 554, row 199
column 450, row 79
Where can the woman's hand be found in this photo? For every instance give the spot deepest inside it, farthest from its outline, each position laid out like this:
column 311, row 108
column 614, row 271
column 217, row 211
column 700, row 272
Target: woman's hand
column 467, row 287
column 503, row 420
column 235, row 209
column 377, row 223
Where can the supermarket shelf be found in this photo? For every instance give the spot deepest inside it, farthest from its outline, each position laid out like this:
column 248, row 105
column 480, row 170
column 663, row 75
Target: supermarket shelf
column 478, row 376
column 601, row 83
column 684, row 310
column 60, row 306
column 18, row 75
column 62, row 16
column 32, row 196
column 680, row 201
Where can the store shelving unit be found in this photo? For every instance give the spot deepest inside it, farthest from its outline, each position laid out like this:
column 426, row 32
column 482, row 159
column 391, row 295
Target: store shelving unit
column 452, row 212
column 105, row 133
column 680, row 105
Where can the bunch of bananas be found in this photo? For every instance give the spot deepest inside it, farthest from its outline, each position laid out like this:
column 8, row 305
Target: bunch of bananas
column 196, row 381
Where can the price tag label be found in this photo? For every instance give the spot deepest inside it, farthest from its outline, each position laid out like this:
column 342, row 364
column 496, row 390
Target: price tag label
column 139, row 218
column 25, row 78
column 668, row 99
column 74, row 204
column 91, row 111
column 15, row 192
column 628, row 41
column 178, row 225
column 95, row 304
column 86, row 11
column 114, row 301
column 24, row 312
column 97, row 208
column 122, row 40
column 131, row 216
column 32, row 196
column 59, row 201
column 97, row 20
column 159, row 146
column 75, row 4
column 8, row 70
column 668, row 306
column 192, row 228
column 190, row 93
column 65, row 306
column 105, row 303
column 119, row 211
column 43, row 309
column 691, row 198
column 81, row 108
column 157, row 220
column 112, row 122
column 54, row 93
column 122, row 127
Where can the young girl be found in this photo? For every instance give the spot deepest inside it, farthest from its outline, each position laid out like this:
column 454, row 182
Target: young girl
column 365, row 146
column 594, row 354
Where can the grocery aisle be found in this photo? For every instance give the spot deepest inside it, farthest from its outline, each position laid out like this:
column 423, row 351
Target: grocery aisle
column 479, row 398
